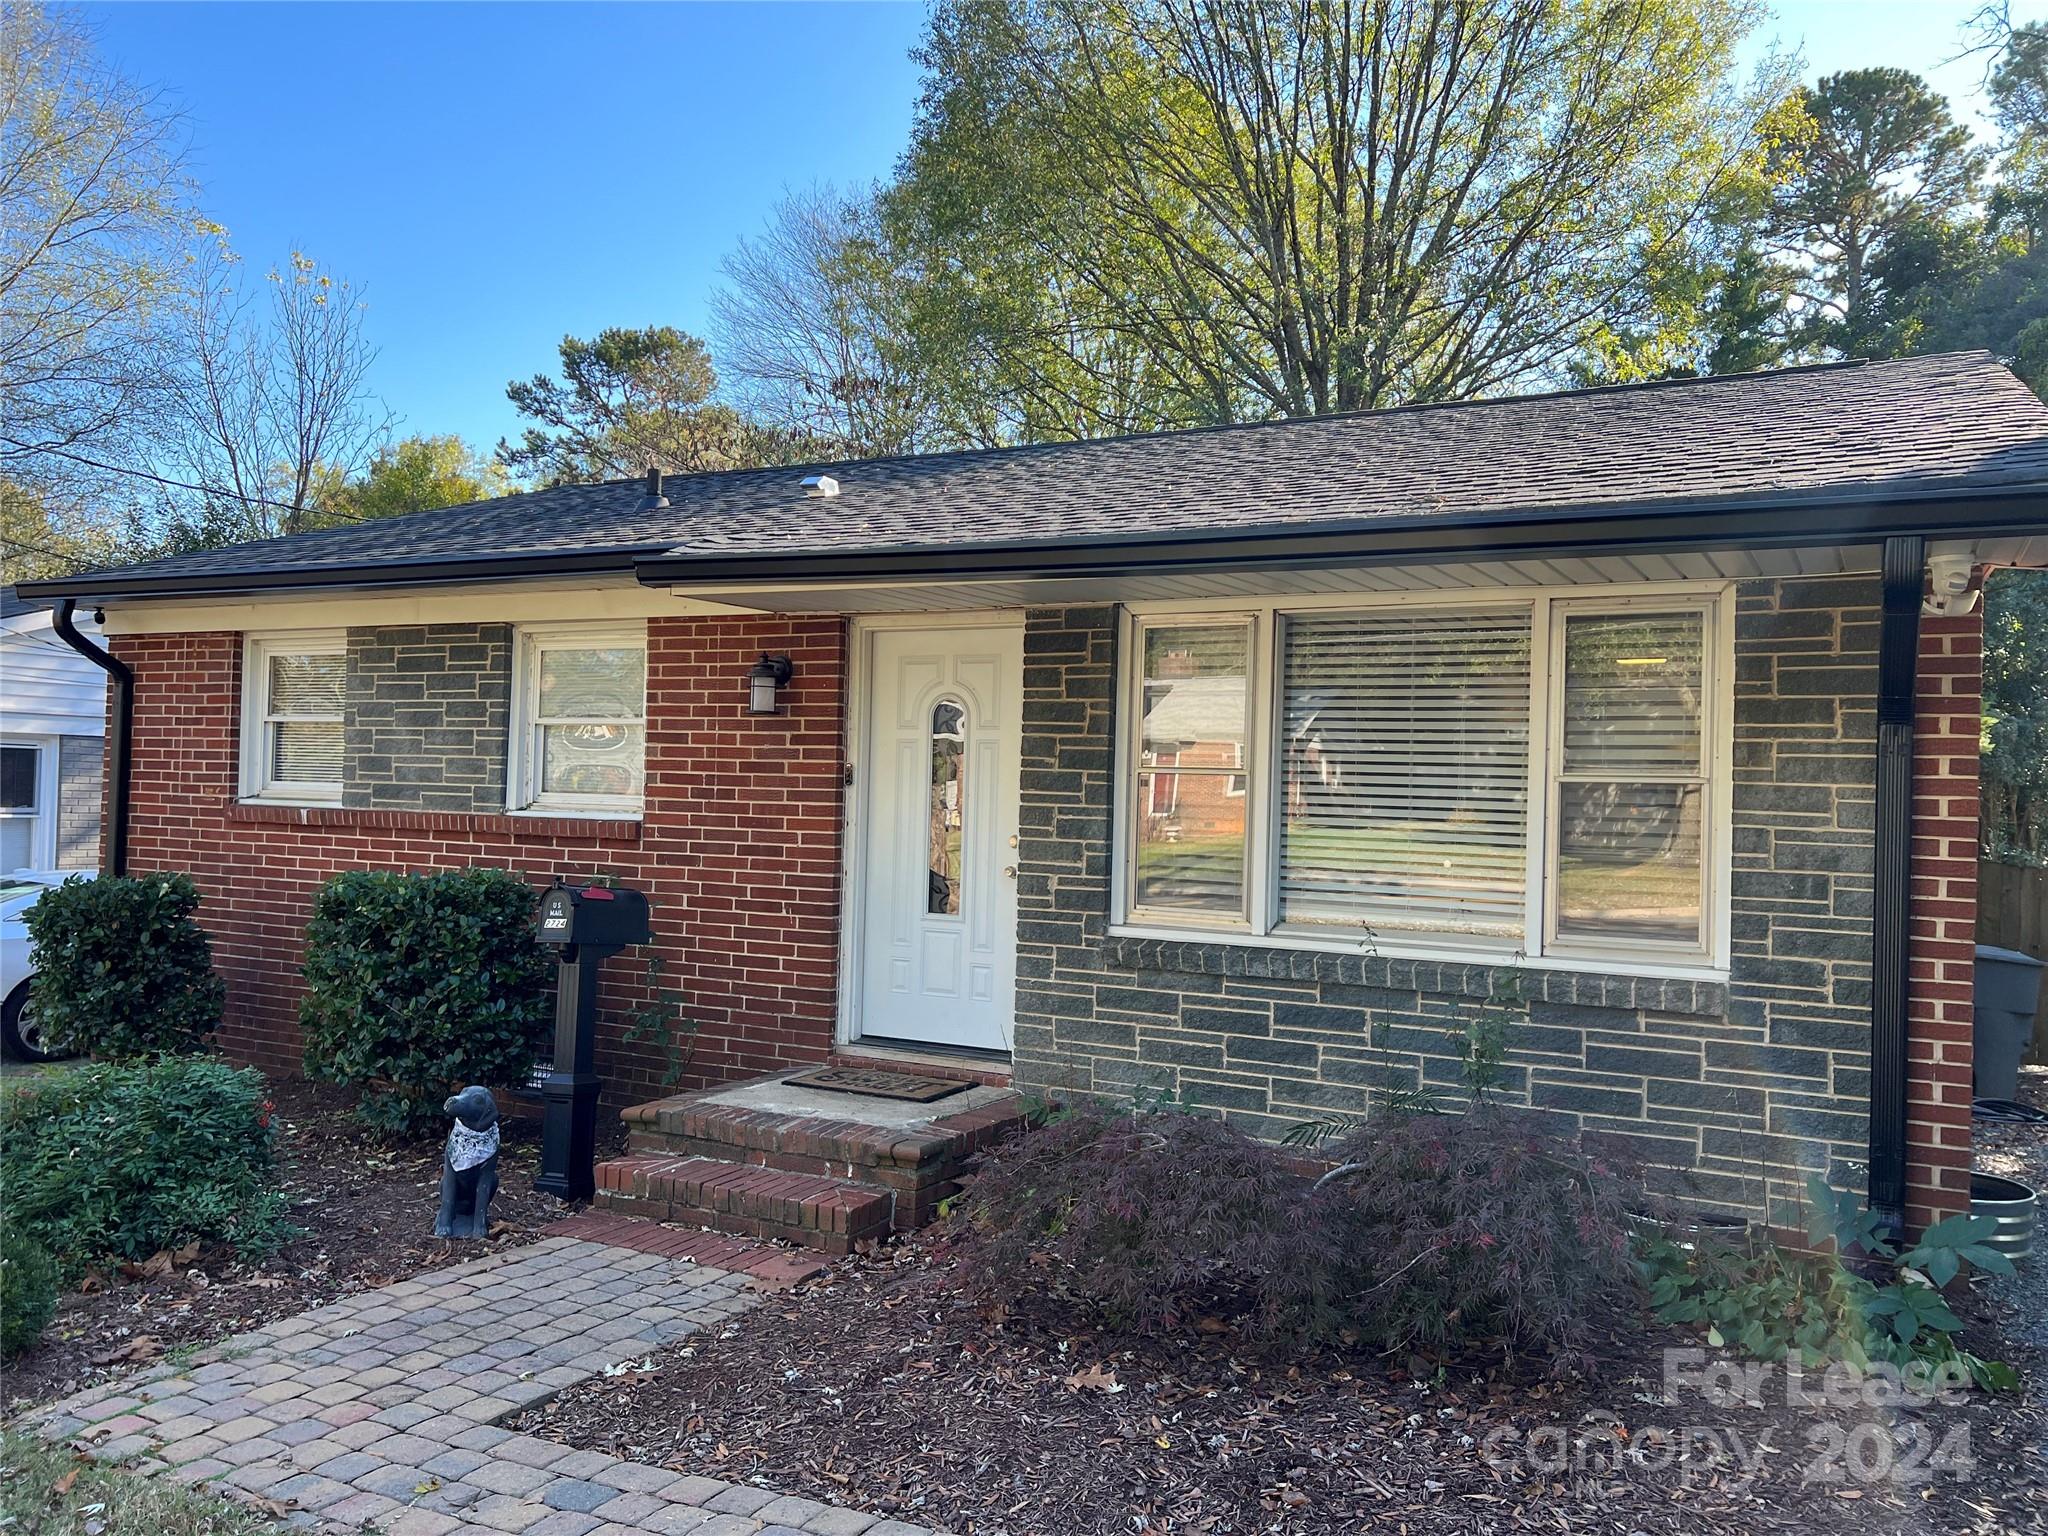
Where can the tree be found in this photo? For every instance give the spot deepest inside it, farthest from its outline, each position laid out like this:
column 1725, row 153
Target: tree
column 42, row 534
column 2015, row 742
column 1132, row 213
column 811, row 325
column 627, row 399
column 2018, row 88
column 94, row 214
column 1885, row 162
column 270, row 392
column 2018, row 81
column 411, row 474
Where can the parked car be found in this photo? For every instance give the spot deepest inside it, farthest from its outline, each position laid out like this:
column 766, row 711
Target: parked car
column 20, row 1039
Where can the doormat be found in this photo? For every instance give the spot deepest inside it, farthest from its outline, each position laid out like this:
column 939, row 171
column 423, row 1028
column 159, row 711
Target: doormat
column 877, row 1084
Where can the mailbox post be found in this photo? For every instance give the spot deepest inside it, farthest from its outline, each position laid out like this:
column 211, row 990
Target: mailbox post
column 583, row 924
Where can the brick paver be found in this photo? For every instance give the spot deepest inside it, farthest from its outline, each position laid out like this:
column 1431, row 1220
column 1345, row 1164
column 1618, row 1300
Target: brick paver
column 378, row 1412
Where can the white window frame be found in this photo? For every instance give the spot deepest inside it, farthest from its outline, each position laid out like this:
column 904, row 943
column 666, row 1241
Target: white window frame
column 1715, row 776
column 1250, row 915
column 523, row 794
column 43, row 819
column 1258, row 924
column 257, row 783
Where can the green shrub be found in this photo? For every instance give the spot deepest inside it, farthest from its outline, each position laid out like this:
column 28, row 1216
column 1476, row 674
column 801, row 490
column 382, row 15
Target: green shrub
column 122, row 969
column 417, row 985
column 1865, row 1303
column 112, row 1161
column 28, row 1291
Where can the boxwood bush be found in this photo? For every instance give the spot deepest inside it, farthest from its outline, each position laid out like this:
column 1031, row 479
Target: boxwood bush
column 417, row 985
column 122, row 968
column 116, row 1161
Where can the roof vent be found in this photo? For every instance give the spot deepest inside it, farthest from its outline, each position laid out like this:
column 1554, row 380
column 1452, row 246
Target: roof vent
column 653, row 500
column 820, row 485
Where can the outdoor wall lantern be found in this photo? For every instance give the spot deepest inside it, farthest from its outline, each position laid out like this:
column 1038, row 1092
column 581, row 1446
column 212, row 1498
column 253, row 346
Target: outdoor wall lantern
column 767, row 675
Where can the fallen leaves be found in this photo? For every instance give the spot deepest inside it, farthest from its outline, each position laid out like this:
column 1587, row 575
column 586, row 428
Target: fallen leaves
column 134, row 1352
column 1096, row 1378
column 162, row 1262
column 880, row 1388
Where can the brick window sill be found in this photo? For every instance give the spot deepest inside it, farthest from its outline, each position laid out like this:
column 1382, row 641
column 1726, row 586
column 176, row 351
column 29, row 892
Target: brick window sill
column 1553, row 982
column 552, row 829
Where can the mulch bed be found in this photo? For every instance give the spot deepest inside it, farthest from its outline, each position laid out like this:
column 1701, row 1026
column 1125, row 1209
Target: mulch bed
column 366, row 1208
column 879, row 1387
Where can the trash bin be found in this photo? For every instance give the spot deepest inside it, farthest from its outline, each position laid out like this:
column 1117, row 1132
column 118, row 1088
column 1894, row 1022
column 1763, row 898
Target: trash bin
column 2008, row 989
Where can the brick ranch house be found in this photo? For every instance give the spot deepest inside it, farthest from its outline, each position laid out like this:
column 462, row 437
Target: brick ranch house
column 1240, row 763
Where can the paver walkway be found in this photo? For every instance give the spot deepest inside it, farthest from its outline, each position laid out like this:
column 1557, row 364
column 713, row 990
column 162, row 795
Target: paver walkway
column 380, row 1411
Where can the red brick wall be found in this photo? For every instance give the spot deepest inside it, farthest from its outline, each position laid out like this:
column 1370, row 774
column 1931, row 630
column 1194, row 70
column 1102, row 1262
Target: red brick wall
column 739, row 852
column 1949, row 698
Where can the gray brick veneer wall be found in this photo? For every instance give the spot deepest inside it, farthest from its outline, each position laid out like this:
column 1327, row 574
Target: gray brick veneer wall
column 78, row 801
column 428, row 717
column 1726, row 1093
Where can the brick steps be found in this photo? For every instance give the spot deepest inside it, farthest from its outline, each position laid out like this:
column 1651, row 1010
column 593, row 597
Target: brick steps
column 915, row 1167
column 815, row 1211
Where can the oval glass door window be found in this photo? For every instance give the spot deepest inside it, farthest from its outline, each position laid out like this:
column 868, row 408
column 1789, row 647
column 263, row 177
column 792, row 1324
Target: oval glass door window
column 948, row 808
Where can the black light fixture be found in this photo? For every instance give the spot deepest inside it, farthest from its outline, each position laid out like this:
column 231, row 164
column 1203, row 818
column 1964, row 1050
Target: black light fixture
column 763, row 678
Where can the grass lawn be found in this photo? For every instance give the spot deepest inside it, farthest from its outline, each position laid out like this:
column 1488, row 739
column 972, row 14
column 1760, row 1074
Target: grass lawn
column 46, row 1491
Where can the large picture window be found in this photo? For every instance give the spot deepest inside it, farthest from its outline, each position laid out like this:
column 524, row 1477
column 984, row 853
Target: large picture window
column 291, row 717
column 1405, row 771
column 1487, row 776
column 580, row 744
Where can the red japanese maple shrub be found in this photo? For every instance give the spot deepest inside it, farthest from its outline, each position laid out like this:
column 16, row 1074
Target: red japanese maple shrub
column 1148, row 1219
column 1460, row 1231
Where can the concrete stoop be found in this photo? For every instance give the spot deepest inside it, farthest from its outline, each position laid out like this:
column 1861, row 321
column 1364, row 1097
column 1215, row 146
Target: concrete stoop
column 824, row 1170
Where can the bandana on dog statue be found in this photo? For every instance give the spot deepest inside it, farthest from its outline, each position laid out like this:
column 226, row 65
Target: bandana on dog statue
column 469, row 1172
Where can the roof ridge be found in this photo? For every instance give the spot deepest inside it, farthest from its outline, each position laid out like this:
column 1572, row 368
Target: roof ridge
column 1416, row 407
column 1959, row 420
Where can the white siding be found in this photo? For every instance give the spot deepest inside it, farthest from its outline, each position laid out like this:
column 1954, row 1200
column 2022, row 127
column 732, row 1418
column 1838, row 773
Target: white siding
column 46, row 688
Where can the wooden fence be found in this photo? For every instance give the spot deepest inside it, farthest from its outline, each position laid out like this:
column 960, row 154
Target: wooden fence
column 2012, row 913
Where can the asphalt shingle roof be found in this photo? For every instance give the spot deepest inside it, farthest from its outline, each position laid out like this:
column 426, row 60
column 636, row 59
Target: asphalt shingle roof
column 1952, row 422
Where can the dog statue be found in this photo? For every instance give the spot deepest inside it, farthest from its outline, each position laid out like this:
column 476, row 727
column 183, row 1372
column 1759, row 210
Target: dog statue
column 469, row 1171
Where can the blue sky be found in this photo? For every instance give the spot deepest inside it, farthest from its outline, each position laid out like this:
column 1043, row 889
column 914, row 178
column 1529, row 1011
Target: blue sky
column 495, row 175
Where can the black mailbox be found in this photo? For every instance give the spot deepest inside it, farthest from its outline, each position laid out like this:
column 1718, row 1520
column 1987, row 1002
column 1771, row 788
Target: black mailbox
column 583, row 924
column 596, row 915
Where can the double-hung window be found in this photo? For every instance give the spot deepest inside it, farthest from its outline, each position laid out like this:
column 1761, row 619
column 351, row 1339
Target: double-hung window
column 1490, row 776
column 26, row 822
column 292, row 687
column 579, row 743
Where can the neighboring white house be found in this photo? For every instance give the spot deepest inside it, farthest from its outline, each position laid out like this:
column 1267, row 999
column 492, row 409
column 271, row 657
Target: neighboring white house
column 53, row 717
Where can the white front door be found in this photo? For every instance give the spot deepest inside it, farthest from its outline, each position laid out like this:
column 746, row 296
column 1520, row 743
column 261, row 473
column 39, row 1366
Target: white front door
column 938, row 923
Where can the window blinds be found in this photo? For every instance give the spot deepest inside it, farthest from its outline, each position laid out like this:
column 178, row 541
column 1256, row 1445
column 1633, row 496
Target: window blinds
column 305, row 715
column 1405, row 740
column 1630, row 798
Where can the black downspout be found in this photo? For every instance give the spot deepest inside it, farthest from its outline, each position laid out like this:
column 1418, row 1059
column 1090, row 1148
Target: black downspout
column 120, row 717
column 1898, row 655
